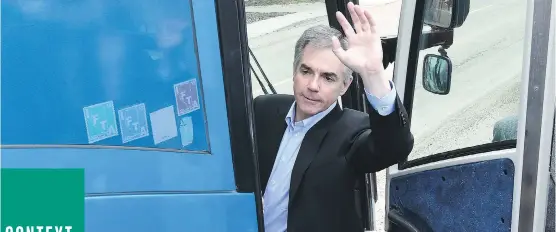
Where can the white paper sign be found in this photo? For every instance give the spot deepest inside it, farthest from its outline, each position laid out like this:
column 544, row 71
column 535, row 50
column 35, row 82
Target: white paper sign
column 163, row 124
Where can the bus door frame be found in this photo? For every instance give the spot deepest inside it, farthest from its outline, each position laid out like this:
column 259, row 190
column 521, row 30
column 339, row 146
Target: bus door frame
column 536, row 106
column 232, row 28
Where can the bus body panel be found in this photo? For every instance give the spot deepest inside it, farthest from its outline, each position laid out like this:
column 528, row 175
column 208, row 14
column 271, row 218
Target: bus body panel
column 133, row 93
column 230, row 212
column 124, row 171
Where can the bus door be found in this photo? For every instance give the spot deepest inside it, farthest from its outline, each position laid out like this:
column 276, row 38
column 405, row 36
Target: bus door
column 482, row 107
column 149, row 98
column 273, row 29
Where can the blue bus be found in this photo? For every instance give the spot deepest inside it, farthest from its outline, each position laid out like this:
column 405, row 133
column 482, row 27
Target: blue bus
column 154, row 101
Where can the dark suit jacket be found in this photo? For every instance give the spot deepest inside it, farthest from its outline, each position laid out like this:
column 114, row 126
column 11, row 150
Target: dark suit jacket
column 341, row 147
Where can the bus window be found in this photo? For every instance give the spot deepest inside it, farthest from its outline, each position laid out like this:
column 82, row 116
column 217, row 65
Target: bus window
column 486, row 63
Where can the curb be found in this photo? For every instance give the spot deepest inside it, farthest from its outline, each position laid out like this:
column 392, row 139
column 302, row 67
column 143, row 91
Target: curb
column 270, row 25
column 376, row 2
column 266, row 26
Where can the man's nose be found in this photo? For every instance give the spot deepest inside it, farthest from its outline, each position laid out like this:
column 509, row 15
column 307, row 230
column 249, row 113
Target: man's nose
column 314, row 83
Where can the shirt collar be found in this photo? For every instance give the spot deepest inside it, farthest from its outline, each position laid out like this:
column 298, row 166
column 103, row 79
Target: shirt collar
column 308, row 122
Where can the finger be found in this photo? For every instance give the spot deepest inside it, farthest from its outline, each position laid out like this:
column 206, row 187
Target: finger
column 354, row 18
column 348, row 30
column 337, row 48
column 364, row 22
column 372, row 22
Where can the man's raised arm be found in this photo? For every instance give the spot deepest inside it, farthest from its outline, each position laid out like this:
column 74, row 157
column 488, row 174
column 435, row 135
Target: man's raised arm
column 384, row 138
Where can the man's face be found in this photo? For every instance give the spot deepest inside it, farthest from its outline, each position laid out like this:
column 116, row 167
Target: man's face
column 318, row 81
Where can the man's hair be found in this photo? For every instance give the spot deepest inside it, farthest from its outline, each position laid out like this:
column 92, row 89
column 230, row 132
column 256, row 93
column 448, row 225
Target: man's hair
column 319, row 37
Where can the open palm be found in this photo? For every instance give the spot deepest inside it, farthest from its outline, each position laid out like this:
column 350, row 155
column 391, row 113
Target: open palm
column 364, row 52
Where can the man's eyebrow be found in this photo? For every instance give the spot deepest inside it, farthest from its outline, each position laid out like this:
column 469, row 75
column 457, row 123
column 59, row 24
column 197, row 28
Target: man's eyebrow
column 327, row 74
column 304, row 66
column 330, row 74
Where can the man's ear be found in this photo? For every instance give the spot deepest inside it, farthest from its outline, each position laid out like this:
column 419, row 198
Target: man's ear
column 345, row 87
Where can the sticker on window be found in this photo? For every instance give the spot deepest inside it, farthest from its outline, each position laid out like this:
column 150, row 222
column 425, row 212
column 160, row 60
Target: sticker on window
column 133, row 122
column 163, row 123
column 186, row 131
column 100, row 121
column 187, row 97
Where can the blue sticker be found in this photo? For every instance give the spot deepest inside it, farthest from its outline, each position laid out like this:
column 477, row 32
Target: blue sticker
column 100, row 120
column 187, row 97
column 133, row 122
column 186, row 131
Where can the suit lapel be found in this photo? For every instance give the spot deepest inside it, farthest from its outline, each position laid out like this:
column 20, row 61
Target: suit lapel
column 309, row 149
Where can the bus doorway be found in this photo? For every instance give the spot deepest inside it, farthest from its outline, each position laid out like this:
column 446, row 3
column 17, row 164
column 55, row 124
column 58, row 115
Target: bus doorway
column 482, row 111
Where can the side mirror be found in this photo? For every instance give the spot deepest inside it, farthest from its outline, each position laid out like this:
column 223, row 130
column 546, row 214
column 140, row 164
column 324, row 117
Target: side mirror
column 446, row 14
column 437, row 74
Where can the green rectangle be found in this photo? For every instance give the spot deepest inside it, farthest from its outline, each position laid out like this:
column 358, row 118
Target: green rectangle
column 51, row 199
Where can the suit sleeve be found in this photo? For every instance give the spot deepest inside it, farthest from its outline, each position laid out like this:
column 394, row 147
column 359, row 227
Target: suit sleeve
column 381, row 141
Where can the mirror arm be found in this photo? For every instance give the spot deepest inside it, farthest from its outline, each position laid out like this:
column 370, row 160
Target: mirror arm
column 437, row 37
column 442, row 51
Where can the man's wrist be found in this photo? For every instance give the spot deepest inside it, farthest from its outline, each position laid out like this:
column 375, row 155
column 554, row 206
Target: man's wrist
column 376, row 83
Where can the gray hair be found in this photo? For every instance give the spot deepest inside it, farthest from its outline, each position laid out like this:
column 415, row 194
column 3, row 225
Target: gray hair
column 319, row 37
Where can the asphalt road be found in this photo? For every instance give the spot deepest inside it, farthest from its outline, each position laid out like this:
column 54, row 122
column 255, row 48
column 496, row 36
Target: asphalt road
column 487, row 64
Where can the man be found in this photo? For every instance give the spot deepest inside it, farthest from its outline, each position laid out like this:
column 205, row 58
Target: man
column 309, row 162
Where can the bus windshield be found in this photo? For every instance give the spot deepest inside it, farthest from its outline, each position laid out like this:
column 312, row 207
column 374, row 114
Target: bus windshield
column 486, row 66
